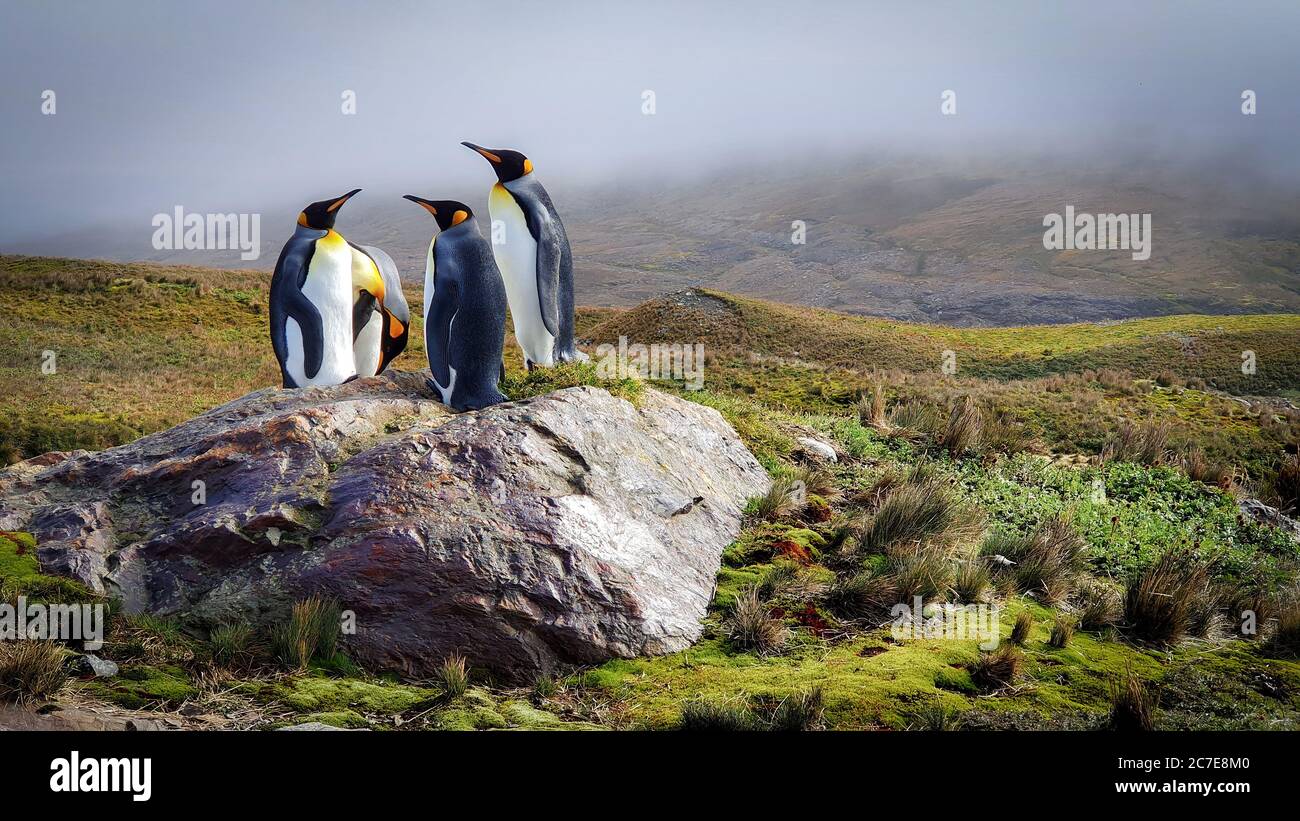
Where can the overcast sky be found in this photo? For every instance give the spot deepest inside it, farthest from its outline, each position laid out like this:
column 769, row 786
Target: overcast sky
column 231, row 105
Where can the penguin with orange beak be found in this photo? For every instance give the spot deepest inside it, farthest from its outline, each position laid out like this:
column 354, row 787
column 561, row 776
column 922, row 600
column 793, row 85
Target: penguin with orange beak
column 379, row 330
column 314, row 292
column 464, row 309
column 534, row 258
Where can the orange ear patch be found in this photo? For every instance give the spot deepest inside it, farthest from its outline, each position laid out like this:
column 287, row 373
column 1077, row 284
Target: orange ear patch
column 302, row 219
column 395, row 327
column 459, row 217
column 528, row 166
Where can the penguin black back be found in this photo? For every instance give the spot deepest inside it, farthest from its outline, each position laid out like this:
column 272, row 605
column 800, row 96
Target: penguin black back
column 465, row 309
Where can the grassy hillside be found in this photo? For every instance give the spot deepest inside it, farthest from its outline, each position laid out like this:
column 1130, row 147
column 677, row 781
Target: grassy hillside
column 1104, row 461
column 1070, row 385
column 138, row 348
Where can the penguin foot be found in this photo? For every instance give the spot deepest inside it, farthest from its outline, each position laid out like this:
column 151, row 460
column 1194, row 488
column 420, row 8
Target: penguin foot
column 350, row 378
column 530, row 365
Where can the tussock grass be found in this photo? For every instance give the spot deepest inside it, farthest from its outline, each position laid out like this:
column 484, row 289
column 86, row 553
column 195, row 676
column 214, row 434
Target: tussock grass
column 1003, row 433
column 750, row 627
column 312, row 631
column 970, row 581
column 799, row 712
column 818, row 481
column 453, row 675
column 779, row 502
column 1062, row 632
column 935, row 717
column 998, row 668
column 1286, row 485
column 916, row 417
column 965, row 426
column 1021, row 629
column 1098, row 605
column 711, row 715
column 863, row 594
column 927, row 573
column 1047, row 563
column 1145, row 444
column 871, row 409
column 777, row 579
column 917, row 512
column 1284, row 641
column 1201, row 469
column 1133, row 705
column 30, row 670
column 232, row 644
column 1159, row 604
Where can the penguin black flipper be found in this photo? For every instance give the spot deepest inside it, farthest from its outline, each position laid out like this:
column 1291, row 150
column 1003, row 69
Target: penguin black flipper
column 288, row 300
column 542, row 229
column 437, row 333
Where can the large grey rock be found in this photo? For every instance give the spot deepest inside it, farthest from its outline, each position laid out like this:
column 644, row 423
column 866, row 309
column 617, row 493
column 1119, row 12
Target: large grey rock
column 568, row 528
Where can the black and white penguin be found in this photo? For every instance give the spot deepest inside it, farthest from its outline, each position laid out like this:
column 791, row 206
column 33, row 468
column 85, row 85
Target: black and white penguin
column 379, row 331
column 313, row 296
column 464, row 309
column 534, row 258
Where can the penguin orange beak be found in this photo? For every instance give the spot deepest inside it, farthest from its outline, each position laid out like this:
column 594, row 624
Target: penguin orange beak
column 338, row 203
column 423, row 203
column 492, row 158
column 395, row 326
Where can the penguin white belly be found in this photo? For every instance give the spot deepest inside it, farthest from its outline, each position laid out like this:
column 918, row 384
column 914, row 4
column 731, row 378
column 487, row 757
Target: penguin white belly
column 366, row 349
column 429, row 277
column 517, row 259
column 329, row 287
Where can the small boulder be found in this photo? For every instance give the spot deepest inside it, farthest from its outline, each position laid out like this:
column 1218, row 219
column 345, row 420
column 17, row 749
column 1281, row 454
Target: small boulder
column 818, row 449
column 92, row 666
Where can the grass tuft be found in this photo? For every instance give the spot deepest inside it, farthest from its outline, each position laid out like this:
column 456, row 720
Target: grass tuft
column 709, row 715
column 997, row 669
column 1132, row 705
column 1159, row 604
column 798, row 712
column 1022, row 628
column 453, row 675
column 1062, row 632
column 30, row 670
column 750, row 627
column 312, row 631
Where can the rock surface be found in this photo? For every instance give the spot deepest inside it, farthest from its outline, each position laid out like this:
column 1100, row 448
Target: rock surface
column 569, row 528
column 1265, row 514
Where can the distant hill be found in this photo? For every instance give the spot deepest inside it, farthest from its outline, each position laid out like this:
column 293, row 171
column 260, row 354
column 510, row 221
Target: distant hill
column 961, row 245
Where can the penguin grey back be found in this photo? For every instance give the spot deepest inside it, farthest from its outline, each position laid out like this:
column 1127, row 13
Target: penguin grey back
column 553, row 253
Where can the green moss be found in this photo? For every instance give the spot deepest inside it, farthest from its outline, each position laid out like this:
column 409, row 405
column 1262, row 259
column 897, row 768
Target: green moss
column 348, row 719
column 311, row 694
column 20, row 574
column 143, row 686
column 17, row 557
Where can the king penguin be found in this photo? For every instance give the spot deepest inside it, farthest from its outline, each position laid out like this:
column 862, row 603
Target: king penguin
column 379, row 331
column 534, row 258
column 314, row 292
column 464, row 309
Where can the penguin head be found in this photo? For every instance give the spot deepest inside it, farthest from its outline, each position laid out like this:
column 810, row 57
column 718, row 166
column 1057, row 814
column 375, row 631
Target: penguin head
column 509, row 165
column 320, row 216
column 448, row 213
